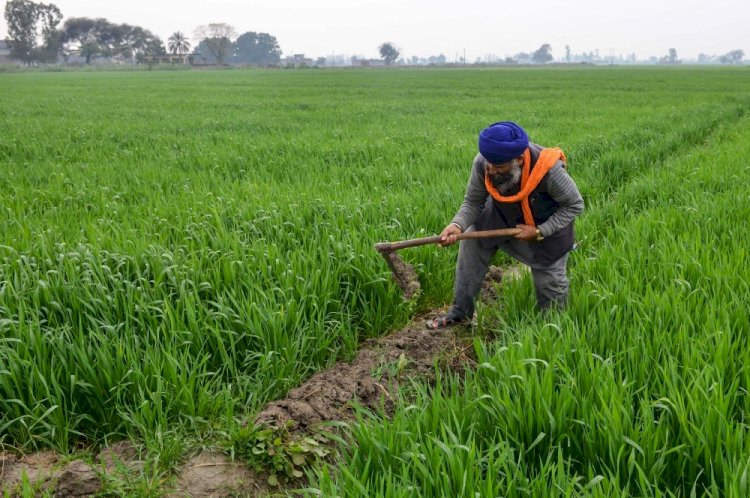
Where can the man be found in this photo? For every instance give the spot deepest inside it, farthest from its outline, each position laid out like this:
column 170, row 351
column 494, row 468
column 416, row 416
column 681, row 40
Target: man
column 514, row 183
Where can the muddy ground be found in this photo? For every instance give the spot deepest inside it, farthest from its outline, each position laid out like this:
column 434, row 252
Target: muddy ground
column 371, row 380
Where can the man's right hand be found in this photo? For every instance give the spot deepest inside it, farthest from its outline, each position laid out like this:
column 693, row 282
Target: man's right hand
column 448, row 235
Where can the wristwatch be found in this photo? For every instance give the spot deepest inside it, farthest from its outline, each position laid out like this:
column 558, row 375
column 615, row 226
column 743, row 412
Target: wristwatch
column 539, row 236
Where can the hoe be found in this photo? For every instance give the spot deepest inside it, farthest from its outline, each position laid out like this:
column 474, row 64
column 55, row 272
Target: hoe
column 405, row 275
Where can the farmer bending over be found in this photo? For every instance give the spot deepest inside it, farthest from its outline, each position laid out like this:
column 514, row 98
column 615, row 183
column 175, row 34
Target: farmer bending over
column 514, row 183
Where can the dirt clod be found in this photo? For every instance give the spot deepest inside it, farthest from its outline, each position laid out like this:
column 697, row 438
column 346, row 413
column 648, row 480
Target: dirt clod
column 77, row 479
column 403, row 274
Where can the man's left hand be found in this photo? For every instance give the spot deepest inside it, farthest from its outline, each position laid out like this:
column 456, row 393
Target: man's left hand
column 528, row 233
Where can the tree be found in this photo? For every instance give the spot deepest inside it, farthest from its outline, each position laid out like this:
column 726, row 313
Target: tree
column 543, row 54
column 135, row 42
column 178, row 43
column 217, row 39
column 256, row 48
column 671, row 58
column 32, row 29
column 91, row 38
column 437, row 59
column 205, row 53
column 388, row 52
column 89, row 51
column 522, row 57
column 733, row 57
column 567, row 54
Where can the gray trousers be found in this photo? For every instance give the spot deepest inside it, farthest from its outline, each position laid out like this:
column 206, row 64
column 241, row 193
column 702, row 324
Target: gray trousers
column 550, row 280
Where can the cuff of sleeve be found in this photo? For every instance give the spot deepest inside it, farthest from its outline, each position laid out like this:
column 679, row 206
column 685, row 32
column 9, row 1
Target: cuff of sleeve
column 458, row 225
column 544, row 229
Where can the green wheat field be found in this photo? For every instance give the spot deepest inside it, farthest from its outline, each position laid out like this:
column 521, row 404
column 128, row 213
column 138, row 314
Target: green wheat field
column 178, row 248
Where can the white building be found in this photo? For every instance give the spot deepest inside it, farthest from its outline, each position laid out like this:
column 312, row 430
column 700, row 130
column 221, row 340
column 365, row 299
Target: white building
column 5, row 53
column 298, row 60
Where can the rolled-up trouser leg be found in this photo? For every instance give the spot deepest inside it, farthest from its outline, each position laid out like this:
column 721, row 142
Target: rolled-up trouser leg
column 473, row 262
column 551, row 284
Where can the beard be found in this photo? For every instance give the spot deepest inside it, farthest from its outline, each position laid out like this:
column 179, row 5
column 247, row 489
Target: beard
column 509, row 183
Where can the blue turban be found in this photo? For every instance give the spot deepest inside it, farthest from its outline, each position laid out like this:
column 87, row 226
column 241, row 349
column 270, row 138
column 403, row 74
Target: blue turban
column 503, row 141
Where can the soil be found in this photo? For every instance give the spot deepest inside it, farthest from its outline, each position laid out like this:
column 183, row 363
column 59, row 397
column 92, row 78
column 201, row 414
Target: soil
column 371, row 380
column 212, row 475
column 76, row 478
column 36, row 466
column 403, row 274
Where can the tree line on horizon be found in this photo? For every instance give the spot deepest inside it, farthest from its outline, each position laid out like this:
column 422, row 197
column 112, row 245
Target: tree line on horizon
column 34, row 37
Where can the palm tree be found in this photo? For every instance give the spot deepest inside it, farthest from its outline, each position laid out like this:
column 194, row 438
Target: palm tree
column 178, row 43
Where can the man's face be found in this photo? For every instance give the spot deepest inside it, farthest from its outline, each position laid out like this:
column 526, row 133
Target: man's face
column 504, row 168
column 506, row 176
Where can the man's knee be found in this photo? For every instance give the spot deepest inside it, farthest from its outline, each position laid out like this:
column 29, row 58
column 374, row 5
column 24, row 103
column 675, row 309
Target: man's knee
column 557, row 299
column 551, row 289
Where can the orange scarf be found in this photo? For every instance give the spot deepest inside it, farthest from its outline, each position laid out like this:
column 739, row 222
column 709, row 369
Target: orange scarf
column 547, row 159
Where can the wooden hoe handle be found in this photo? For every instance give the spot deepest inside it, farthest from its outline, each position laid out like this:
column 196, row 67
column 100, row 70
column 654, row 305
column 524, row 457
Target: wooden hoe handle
column 384, row 247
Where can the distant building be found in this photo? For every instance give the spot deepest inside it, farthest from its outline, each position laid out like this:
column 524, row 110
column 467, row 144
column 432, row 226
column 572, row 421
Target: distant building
column 298, row 60
column 5, row 57
column 368, row 62
column 170, row 59
column 74, row 58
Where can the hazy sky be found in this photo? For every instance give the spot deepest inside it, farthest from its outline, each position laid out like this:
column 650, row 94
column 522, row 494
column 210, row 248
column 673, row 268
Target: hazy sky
column 430, row 27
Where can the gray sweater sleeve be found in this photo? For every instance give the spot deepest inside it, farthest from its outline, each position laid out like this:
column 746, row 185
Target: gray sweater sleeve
column 475, row 197
column 562, row 188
